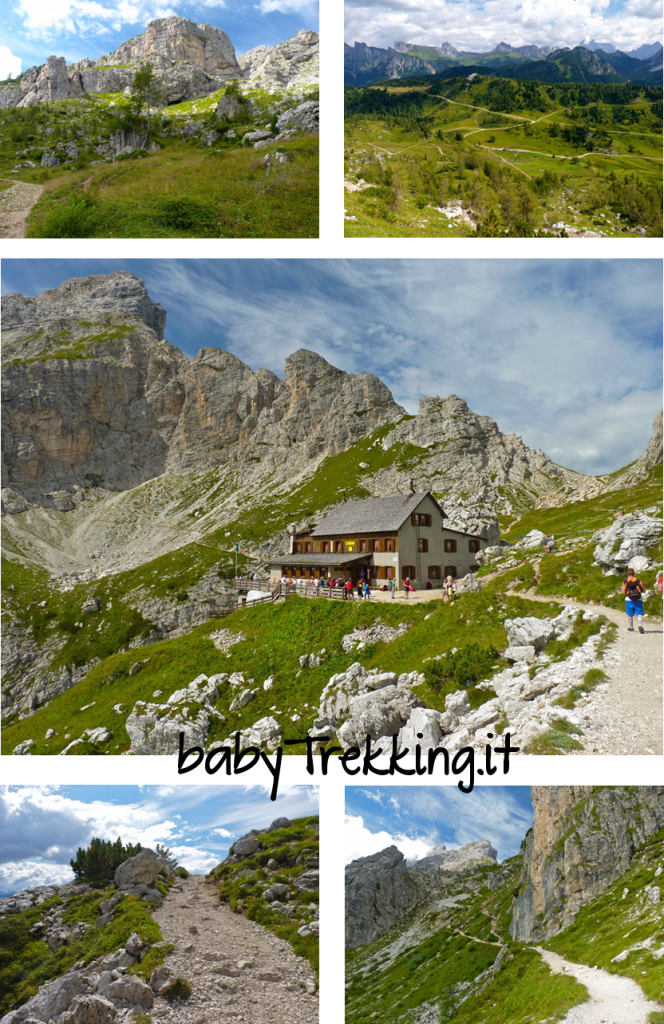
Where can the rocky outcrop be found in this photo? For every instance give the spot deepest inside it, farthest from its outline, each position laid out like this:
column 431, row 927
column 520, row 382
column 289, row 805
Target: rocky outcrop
column 204, row 46
column 288, row 66
column 117, row 298
column 627, row 542
column 466, row 457
column 583, row 839
column 363, row 64
column 122, row 406
column 379, row 892
column 303, row 118
column 479, row 852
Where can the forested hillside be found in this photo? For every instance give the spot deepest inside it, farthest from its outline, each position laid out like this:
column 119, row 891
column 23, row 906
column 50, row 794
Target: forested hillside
column 494, row 156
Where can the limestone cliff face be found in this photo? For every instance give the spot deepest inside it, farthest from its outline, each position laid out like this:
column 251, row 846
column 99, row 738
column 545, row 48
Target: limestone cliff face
column 94, row 396
column 293, row 64
column 379, row 891
column 205, row 46
column 583, row 839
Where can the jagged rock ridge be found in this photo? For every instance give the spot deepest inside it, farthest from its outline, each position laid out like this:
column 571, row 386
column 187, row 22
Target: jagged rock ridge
column 122, row 405
column 480, row 851
column 583, row 839
column 379, row 891
column 189, row 60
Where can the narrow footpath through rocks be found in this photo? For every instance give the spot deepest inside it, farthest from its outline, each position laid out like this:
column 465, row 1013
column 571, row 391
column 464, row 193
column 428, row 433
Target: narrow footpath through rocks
column 623, row 714
column 238, row 970
column 15, row 205
column 613, row 999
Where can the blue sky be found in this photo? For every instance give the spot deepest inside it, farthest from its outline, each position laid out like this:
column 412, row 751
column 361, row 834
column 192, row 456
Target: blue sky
column 566, row 353
column 415, row 818
column 481, row 24
column 41, row 828
column 30, row 30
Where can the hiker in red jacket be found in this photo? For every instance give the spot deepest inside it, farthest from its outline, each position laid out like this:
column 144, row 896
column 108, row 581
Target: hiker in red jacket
column 348, row 589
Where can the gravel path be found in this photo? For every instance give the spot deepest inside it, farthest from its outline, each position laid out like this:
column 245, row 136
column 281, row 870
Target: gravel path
column 623, row 715
column 238, row 970
column 613, row 1000
column 15, row 205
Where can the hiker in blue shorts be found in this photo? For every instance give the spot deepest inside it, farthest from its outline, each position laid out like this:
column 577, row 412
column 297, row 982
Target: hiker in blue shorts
column 633, row 590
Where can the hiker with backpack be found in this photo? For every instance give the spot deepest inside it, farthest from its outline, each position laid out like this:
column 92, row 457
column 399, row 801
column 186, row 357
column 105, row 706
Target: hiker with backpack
column 633, row 590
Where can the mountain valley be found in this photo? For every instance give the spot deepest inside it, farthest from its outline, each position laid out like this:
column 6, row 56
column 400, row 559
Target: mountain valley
column 138, row 483
column 464, row 937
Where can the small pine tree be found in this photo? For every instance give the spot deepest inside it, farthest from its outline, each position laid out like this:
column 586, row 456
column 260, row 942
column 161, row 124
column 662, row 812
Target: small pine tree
column 447, row 1004
column 101, row 859
column 165, row 854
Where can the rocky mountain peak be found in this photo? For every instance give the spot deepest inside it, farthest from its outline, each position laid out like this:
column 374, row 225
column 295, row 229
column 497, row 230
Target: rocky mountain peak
column 379, row 890
column 478, row 852
column 205, row 46
column 583, row 839
column 97, row 297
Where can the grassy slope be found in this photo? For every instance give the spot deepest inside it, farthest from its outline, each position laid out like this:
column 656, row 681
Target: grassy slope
column 450, row 946
column 581, row 197
column 26, row 962
column 244, row 894
column 523, row 991
column 274, row 638
column 183, row 191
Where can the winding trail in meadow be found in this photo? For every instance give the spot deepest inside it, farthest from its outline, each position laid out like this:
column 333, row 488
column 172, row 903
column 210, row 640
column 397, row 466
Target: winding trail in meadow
column 15, row 205
column 613, row 999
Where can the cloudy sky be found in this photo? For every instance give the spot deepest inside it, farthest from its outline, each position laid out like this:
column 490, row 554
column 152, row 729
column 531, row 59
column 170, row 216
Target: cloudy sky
column 30, row 30
column 482, row 24
column 415, row 818
column 41, row 828
column 566, row 353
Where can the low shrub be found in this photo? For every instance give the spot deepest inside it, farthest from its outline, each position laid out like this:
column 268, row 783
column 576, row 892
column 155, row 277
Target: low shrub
column 467, row 665
column 69, row 220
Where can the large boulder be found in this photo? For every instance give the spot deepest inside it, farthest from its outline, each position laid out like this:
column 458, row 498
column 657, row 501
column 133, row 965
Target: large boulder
column 423, row 727
column 530, row 632
column 376, row 714
column 303, row 118
column 163, row 979
column 156, row 728
column 139, row 870
column 128, row 986
column 631, row 535
column 532, row 540
column 53, row 998
column 90, row 1010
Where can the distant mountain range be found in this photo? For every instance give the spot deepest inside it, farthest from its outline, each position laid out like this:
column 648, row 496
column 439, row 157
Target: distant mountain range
column 590, row 62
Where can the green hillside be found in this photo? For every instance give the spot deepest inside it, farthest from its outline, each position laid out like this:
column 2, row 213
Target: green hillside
column 518, row 157
column 420, row 961
column 193, row 185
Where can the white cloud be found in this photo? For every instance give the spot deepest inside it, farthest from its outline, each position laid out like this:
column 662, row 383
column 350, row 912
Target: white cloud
column 476, row 24
column 26, row 874
column 197, row 861
column 10, row 66
column 80, row 17
column 284, row 6
column 223, row 832
column 360, row 842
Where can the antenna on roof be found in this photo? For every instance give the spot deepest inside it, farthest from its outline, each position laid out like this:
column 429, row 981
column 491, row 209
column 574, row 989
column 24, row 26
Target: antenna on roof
column 412, row 487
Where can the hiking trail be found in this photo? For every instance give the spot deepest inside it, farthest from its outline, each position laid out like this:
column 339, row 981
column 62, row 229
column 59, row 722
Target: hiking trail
column 15, row 205
column 238, row 970
column 613, row 999
column 624, row 711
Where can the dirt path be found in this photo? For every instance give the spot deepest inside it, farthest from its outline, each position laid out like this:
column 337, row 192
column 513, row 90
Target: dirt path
column 623, row 715
column 15, row 205
column 238, row 971
column 613, row 1000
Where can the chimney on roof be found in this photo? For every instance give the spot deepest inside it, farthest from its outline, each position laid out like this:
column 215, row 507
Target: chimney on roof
column 412, row 487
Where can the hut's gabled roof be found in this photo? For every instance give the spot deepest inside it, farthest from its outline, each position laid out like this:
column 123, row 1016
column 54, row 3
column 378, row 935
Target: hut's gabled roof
column 371, row 515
